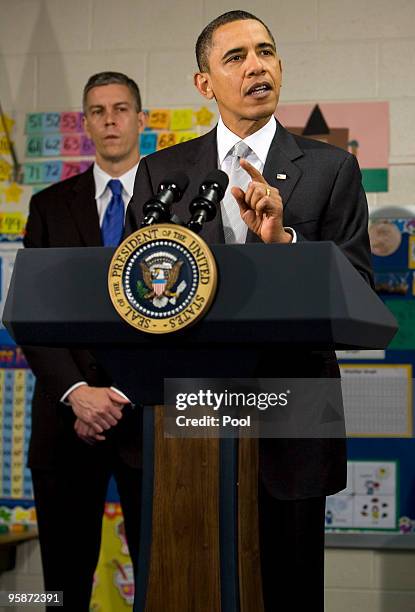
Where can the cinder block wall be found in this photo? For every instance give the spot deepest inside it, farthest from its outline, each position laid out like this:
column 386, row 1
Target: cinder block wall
column 331, row 51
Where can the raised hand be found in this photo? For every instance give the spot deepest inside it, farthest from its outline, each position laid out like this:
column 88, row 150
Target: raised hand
column 261, row 207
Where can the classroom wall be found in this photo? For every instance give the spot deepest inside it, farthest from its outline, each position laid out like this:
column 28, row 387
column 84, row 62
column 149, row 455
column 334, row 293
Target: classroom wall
column 331, row 51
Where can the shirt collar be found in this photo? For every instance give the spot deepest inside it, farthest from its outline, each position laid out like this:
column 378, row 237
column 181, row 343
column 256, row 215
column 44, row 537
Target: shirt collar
column 101, row 180
column 259, row 141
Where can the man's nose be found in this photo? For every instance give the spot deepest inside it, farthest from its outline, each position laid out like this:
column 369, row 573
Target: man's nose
column 109, row 118
column 254, row 64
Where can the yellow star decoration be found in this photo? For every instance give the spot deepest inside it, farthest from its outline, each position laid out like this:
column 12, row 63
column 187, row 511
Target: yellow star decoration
column 13, row 192
column 9, row 124
column 204, row 116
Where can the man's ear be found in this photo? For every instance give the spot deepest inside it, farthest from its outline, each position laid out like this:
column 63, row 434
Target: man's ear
column 203, row 84
column 142, row 121
column 85, row 125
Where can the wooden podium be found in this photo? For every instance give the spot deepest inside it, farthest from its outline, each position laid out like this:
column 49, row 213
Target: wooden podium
column 199, row 548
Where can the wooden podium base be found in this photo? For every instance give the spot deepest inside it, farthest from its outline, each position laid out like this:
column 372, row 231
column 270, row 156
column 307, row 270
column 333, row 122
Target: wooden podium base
column 199, row 550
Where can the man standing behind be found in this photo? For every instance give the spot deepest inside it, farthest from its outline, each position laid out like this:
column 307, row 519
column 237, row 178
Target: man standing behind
column 282, row 189
column 83, row 429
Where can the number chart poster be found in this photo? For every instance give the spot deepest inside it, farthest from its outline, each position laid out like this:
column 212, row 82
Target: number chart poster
column 58, row 148
column 16, row 391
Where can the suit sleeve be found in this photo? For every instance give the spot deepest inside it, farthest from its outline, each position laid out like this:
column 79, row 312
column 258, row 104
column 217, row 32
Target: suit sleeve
column 143, row 191
column 345, row 218
column 54, row 368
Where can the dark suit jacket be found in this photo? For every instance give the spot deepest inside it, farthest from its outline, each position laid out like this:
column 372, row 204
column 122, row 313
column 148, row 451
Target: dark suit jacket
column 65, row 215
column 323, row 200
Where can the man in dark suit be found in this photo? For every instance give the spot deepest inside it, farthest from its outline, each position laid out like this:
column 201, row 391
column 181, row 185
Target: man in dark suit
column 284, row 189
column 84, row 430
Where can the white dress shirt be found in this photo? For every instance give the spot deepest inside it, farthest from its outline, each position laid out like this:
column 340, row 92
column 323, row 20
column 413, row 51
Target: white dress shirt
column 103, row 196
column 259, row 143
column 103, row 193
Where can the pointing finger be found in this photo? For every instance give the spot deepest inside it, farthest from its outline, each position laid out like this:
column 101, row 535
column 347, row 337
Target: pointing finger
column 252, row 171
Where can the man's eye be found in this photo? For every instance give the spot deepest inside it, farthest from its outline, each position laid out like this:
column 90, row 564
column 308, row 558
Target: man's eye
column 234, row 58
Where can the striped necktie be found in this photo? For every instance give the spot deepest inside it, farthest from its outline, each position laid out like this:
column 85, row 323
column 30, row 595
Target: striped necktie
column 112, row 227
column 234, row 228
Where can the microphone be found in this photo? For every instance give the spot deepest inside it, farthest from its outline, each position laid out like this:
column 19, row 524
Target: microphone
column 157, row 209
column 203, row 207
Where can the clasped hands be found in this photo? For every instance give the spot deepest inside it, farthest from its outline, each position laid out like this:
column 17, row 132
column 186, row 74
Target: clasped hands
column 97, row 409
column 261, row 207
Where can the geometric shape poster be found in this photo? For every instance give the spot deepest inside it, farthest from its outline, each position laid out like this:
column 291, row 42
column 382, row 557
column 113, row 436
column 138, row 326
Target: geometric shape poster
column 360, row 127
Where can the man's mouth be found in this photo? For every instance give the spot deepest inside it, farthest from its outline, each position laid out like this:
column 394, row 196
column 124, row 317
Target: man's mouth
column 259, row 90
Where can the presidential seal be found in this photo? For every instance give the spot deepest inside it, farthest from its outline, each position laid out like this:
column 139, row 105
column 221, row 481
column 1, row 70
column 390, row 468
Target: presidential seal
column 162, row 278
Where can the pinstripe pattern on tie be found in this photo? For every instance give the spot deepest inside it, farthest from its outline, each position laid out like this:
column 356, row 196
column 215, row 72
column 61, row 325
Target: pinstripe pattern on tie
column 112, row 227
column 234, row 228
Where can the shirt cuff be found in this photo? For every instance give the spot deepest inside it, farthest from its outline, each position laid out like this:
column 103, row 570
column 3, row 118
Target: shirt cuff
column 65, row 395
column 293, row 234
column 122, row 394
column 80, row 384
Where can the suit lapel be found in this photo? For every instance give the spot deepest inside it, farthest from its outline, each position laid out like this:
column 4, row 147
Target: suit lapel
column 83, row 208
column 279, row 170
column 200, row 161
column 282, row 152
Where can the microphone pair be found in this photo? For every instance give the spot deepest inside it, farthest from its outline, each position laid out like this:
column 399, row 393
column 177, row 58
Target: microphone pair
column 202, row 208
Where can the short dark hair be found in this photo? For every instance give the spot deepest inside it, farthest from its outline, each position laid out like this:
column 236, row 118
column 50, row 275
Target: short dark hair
column 204, row 41
column 112, row 78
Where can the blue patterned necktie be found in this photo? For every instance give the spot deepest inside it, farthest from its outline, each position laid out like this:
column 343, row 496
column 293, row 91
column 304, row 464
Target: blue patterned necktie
column 112, row 227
